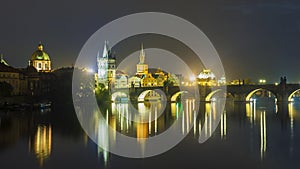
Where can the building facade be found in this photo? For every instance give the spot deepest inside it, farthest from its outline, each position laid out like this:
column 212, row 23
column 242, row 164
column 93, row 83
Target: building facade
column 206, row 78
column 142, row 67
column 40, row 60
column 11, row 76
column 34, row 80
column 106, row 66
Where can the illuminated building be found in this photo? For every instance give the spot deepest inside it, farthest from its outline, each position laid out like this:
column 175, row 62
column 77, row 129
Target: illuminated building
column 141, row 67
column 26, row 81
column 160, row 77
column 135, row 81
column 121, row 80
column 106, row 66
column 149, row 81
column 206, row 78
column 40, row 60
column 222, row 81
column 241, row 82
column 175, row 79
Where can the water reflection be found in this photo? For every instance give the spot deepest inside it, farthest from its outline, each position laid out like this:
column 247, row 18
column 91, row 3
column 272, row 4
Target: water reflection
column 42, row 143
column 292, row 112
column 263, row 134
column 223, row 125
column 264, row 130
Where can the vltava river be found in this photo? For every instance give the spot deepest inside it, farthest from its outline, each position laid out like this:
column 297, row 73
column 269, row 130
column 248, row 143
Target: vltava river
column 249, row 135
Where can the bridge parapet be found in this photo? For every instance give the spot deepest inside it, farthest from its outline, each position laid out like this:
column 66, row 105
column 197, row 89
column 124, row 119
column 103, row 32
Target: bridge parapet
column 239, row 92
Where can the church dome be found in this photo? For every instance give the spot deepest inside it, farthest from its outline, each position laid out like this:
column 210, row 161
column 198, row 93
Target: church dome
column 206, row 74
column 40, row 54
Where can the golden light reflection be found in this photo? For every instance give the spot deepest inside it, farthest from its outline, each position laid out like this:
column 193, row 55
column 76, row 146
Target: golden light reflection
column 142, row 131
column 187, row 115
column 174, row 109
column 251, row 111
column 292, row 116
column 223, row 125
column 195, row 123
column 103, row 139
column 43, row 143
column 263, row 134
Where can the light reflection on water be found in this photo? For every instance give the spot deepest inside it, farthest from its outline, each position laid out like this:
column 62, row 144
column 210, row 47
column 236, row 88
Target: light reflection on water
column 265, row 123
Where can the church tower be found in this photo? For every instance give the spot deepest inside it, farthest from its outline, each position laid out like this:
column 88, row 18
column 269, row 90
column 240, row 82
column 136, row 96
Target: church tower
column 40, row 60
column 106, row 66
column 141, row 67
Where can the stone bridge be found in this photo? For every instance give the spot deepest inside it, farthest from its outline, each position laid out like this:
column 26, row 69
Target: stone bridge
column 283, row 92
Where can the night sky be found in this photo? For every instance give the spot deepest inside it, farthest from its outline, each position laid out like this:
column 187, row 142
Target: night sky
column 255, row 39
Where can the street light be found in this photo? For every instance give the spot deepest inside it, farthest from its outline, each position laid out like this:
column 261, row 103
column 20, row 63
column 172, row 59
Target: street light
column 192, row 78
column 262, row 81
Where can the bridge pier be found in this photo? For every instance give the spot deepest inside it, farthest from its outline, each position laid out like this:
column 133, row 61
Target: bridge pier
column 239, row 97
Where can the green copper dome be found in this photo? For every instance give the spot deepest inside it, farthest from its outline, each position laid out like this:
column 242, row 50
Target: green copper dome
column 40, row 54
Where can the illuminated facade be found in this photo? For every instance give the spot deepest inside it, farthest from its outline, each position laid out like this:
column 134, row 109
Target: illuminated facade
column 135, row 81
column 26, row 81
column 206, row 78
column 141, row 67
column 175, row 79
column 149, row 81
column 106, row 66
column 121, row 81
column 40, row 60
column 160, row 77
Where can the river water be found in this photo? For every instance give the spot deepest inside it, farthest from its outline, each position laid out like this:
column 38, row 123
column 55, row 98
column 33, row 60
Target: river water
column 249, row 135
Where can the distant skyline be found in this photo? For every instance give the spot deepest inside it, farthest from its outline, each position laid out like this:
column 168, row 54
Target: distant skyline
column 255, row 39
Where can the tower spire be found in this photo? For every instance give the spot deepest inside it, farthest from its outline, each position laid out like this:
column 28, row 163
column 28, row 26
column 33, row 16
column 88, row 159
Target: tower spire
column 2, row 60
column 105, row 50
column 142, row 54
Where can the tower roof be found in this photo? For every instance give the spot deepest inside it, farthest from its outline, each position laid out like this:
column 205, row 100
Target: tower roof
column 40, row 54
column 6, row 68
column 107, row 53
column 206, row 74
column 2, row 60
column 142, row 55
column 105, row 50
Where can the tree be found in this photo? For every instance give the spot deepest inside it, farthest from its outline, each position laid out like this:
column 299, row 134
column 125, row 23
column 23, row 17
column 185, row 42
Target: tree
column 5, row 89
column 102, row 93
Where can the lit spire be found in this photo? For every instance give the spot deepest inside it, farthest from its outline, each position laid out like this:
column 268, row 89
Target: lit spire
column 105, row 50
column 142, row 55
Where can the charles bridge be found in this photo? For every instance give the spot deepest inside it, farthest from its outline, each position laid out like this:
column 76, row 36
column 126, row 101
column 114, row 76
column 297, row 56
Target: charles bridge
column 239, row 93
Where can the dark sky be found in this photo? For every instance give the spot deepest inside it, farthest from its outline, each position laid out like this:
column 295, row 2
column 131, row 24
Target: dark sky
column 254, row 38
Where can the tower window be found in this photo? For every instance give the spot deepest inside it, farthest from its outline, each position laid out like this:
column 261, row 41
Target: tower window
column 39, row 65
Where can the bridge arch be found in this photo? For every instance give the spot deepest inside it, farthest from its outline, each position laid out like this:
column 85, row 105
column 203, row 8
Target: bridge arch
column 115, row 95
column 157, row 93
column 291, row 95
column 175, row 96
column 211, row 94
column 249, row 95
